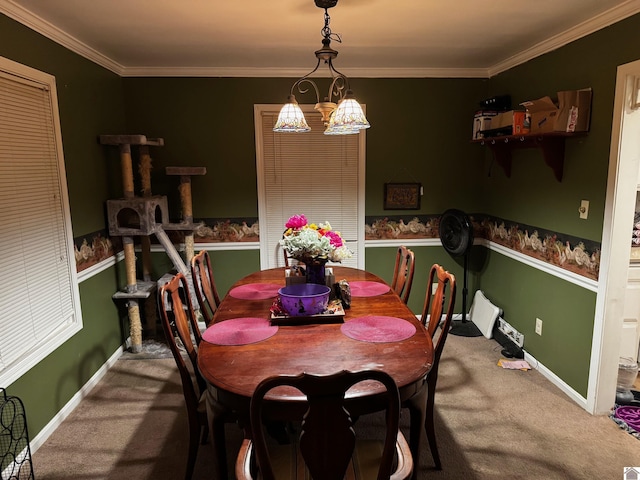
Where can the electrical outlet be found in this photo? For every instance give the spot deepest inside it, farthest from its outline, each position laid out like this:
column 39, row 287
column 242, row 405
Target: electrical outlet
column 584, row 209
column 434, row 287
column 538, row 326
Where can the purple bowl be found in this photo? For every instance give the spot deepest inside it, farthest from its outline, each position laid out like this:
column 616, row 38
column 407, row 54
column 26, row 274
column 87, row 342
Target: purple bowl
column 304, row 299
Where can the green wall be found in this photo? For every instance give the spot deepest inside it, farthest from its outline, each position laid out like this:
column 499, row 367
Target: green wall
column 47, row 387
column 90, row 103
column 567, row 312
column 420, row 133
column 381, row 260
column 533, row 196
column 228, row 266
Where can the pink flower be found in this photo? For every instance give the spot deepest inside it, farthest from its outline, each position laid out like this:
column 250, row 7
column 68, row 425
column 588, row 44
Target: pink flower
column 334, row 238
column 296, row 222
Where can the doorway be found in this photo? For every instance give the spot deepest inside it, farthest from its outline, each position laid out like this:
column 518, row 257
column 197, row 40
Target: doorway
column 320, row 176
column 622, row 187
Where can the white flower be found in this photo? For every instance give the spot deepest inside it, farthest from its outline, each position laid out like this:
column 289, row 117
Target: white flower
column 317, row 241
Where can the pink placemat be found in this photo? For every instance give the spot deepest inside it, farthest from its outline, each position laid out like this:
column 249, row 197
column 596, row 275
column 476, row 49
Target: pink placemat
column 239, row 331
column 378, row 329
column 367, row 289
column 255, row 291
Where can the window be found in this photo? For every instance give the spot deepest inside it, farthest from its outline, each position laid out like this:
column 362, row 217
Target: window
column 320, row 176
column 39, row 305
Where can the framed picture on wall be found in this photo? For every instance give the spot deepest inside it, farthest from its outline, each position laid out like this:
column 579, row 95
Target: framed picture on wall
column 402, row 196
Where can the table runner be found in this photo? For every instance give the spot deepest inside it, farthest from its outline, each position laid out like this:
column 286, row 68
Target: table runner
column 378, row 329
column 255, row 291
column 367, row 288
column 239, row 331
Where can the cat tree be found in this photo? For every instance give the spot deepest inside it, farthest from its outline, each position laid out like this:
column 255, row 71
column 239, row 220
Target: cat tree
column 142, row 216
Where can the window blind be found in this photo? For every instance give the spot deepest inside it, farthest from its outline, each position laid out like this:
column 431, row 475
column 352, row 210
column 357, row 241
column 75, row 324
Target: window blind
column 39, row 306
column 310, row 173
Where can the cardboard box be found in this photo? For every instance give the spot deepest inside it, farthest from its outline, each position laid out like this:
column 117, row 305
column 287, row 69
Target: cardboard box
column 481, row 122
column 502, row 120
column 520, row 126
column 508, row 123
column 543, row 113
column 574, row 111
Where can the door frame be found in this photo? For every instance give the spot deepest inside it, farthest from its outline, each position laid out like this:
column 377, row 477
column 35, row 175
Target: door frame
column 258, row 110
column 619, row 210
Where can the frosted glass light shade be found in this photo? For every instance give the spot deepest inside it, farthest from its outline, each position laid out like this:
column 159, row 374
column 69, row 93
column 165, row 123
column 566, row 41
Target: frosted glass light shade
column 291, row 119
column 348, row 118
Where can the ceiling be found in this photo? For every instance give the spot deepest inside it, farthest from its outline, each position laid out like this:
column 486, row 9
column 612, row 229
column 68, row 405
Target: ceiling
column 380, row 38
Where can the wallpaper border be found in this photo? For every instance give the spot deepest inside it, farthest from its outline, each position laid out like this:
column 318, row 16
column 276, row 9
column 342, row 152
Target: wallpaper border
column 576, row 255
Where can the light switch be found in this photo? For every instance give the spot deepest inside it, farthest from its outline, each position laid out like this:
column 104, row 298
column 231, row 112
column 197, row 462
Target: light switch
column 584, row 209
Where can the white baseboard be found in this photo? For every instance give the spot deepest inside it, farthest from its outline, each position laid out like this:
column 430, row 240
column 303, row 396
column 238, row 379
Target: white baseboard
column 549, row 375
column 557, row 381
column 55, row 422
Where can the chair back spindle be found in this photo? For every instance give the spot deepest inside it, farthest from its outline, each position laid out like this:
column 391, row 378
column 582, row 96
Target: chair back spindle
column 403, row 273
column 204, row 285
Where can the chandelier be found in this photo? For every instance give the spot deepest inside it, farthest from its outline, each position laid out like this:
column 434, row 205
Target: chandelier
column 343, row 117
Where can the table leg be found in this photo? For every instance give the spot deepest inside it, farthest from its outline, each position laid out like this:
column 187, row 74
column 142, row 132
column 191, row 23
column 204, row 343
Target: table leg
column 417, row 406
column 217, row 417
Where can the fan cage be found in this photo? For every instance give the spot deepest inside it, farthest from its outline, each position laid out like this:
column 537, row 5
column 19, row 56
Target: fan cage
column 15, row 452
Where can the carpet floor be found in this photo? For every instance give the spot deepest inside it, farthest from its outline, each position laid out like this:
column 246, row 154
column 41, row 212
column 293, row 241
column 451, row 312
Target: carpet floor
column 491, row 423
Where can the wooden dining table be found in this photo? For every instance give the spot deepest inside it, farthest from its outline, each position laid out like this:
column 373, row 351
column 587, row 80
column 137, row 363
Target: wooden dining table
column 317, row 345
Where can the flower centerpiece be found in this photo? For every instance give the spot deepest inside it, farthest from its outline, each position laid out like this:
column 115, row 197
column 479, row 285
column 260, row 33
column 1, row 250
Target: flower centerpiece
column 314, row 245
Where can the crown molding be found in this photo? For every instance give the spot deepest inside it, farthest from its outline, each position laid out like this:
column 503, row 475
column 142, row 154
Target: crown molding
column 28, row 19
column 25, row 17
column 272, row 72
column 588, row 27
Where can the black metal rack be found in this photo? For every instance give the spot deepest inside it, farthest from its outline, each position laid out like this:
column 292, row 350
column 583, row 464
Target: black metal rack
column 15, row 452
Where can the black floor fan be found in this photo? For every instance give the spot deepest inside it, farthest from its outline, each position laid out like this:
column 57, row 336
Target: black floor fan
column 456, row 234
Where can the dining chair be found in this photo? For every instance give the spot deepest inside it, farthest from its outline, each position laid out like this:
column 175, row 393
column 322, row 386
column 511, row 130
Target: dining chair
column 180, row 326
column 204, row 285
column 327, row 447
column 285, row 257
column 436, row 316
column 403, row 273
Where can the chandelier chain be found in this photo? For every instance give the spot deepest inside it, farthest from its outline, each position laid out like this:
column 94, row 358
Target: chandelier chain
column 326, row 30
column 341, row 113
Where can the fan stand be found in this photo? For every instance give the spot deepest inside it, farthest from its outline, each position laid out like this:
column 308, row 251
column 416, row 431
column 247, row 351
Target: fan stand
column 456, row 234
column 464, row 327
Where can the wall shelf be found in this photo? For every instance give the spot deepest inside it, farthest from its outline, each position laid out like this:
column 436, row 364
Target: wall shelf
column 551, row 144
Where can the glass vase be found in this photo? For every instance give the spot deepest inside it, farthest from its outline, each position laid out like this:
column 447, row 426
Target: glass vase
column 315, row 272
